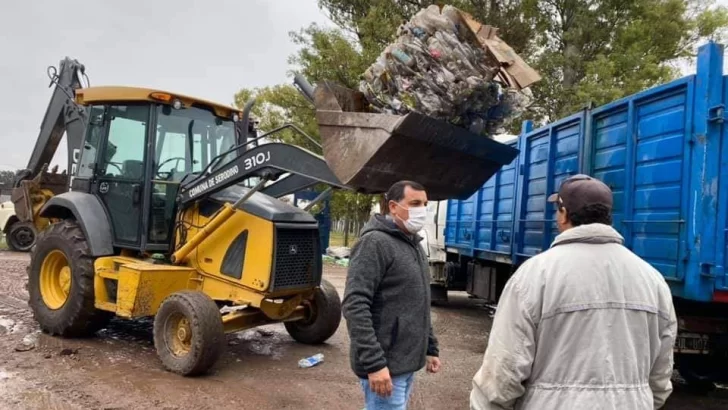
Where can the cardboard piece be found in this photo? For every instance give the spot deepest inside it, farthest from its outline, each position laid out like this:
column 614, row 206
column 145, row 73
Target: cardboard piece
column 518, row 73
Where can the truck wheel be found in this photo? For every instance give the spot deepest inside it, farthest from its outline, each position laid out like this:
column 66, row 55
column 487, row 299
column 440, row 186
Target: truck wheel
column 438, row 295
column 698, row 375
column 699, row 385
column 188, row 333
column 61, row 283
column 21, row 236
column 323, row 319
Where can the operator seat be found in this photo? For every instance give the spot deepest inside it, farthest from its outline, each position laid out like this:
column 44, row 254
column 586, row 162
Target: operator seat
column 133, row 169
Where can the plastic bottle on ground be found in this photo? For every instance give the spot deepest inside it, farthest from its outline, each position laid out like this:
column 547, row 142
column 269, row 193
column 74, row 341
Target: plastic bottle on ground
column 311, row 361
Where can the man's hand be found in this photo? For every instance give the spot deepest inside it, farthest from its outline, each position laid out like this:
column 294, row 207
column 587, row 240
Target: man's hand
column 433, row 364
column 381, row 383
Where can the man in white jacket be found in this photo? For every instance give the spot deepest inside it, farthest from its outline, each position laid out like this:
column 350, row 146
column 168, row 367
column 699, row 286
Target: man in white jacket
column 586, row 324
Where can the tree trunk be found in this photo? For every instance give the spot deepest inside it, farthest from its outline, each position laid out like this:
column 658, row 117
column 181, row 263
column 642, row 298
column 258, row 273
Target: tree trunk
column 493, row 11
column 571, row 58
column 346, row 231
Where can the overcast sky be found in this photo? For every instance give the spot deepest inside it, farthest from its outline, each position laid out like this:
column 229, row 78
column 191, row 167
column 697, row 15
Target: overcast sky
column 209, row 49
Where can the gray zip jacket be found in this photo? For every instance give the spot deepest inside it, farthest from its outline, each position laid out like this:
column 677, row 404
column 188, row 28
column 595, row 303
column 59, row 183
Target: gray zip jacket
column 586, row 324
column 387, row 301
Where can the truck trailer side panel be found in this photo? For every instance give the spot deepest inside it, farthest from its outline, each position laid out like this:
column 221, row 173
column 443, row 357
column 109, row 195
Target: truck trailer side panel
column 664, row 153
column 548, row 155
column 722, row 245
column 641, row 149
column 484, row 222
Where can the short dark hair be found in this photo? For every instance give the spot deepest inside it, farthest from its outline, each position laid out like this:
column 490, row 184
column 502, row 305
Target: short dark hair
column 590, row 214
column 396, row 191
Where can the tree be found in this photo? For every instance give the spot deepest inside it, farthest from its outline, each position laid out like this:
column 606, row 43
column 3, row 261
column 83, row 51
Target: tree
column 596, row 51
column 587, row 51
column 278, row 105
column 325, row 54
column 351, row 207
column 6, row 178
column 373, row 23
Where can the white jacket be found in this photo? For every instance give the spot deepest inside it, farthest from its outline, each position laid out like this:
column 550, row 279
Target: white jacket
column 586, row 324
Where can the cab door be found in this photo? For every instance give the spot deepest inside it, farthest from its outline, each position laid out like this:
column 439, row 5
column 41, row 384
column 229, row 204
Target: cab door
column 121, row 171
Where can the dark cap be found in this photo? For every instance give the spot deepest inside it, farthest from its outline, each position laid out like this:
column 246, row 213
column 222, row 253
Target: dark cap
column 579, row 191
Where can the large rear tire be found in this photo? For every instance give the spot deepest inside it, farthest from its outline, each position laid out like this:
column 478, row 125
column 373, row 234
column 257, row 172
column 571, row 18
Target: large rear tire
column 61, row 283
column 188, row 333
column 21, row 237
column 323, row 320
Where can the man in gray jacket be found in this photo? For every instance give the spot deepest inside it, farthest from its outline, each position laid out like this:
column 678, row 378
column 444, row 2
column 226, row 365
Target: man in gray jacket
column 586, row 324
column 387, row 301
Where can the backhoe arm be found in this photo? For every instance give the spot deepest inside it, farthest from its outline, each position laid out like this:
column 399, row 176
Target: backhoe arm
column 33, row 186
column 288, row 185
column 268, row 161
column 62, row 115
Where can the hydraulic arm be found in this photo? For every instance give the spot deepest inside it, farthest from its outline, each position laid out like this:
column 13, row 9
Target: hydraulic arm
column 269, row 162
column 62, row 115
column 33, row 185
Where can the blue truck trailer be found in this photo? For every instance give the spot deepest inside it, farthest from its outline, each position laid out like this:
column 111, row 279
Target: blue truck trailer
column 664, row 153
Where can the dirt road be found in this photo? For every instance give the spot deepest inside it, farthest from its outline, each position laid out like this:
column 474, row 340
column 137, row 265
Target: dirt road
column 118, row 369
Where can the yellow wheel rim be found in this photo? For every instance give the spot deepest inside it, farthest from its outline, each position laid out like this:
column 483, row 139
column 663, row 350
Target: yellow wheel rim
column 179, row 335
column 55, row 280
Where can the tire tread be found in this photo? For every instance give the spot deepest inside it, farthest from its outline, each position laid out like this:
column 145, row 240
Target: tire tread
column 323, row 327
column 79, row 316
column 205, row 321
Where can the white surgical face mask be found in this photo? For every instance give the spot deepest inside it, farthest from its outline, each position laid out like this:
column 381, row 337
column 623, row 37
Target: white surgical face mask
column 417, row 218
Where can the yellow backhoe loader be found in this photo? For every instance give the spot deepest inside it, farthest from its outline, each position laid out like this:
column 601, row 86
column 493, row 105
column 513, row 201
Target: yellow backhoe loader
column 170, row 209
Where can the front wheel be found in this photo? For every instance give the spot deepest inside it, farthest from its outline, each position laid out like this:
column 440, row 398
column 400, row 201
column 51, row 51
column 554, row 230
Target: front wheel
column 61, row 282
column 324, row 317
column 188, row 333
column 21, row 236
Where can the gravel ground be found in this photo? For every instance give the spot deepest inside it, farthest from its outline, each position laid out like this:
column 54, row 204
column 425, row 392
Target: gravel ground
column 118, row 369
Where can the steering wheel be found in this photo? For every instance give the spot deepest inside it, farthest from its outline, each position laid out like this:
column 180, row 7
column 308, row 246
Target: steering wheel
column 168, row 174
column 115, row 165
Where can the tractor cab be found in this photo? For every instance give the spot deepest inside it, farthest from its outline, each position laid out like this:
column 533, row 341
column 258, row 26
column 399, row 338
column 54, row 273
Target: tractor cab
column 139, row 146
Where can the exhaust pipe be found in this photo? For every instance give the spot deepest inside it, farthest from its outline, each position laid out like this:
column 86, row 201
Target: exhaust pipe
column 304, row 87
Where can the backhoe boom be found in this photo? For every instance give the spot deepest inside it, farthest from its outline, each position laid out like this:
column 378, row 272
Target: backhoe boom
column 33, row 186
column 62, row 115
column 269, row 161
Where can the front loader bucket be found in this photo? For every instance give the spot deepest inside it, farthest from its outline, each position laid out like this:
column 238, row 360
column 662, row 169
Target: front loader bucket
column 369, row 151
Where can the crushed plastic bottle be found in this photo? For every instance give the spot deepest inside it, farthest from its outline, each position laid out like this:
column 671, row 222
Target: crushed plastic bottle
column 311, row 361
column 435, row 67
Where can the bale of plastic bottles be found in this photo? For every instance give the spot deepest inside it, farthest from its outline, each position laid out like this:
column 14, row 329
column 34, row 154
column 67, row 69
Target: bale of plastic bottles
column 440, row 65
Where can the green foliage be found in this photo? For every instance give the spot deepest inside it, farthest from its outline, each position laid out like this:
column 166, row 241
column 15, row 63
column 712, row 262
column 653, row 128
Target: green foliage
column 279, row 105
column 325, row 54
column 375, row 22
column 599, row 50
column 587, row 51
column 6, row 178
column 328, row 54
column 350, row 205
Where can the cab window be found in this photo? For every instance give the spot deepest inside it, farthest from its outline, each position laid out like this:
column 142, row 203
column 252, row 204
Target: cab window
column 124, row 157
